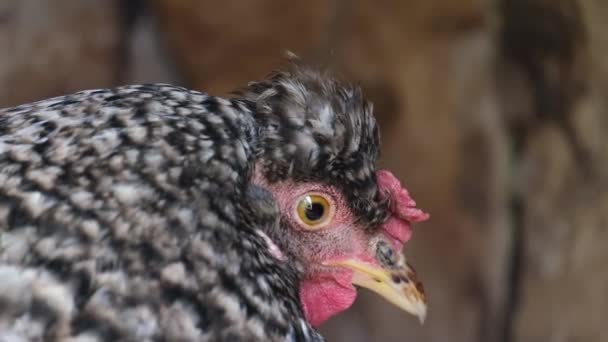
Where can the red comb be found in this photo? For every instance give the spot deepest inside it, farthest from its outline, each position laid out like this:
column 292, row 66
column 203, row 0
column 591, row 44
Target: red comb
column 402, row 205
column 403, row 208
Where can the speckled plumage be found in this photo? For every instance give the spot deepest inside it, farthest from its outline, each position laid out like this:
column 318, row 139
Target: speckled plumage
column 128, row 214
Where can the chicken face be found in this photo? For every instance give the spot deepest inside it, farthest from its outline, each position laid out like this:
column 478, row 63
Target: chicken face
column 342, row 221
column 338, row 250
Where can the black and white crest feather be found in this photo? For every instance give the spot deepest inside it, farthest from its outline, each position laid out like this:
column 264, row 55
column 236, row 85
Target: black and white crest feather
column 127, row 214
column 314, row 128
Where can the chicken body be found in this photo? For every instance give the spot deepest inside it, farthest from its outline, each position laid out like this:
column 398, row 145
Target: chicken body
column 132, row 214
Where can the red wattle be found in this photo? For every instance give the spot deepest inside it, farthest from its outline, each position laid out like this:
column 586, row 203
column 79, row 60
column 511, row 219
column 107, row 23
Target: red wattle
column 325, row 297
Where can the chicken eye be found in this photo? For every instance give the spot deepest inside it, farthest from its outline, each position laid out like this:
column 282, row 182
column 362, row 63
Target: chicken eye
column 314, row 211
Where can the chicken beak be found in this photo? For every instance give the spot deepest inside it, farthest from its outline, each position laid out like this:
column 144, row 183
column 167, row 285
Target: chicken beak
column 398, row 284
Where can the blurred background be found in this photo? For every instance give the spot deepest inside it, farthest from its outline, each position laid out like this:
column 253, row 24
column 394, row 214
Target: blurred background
column 493, row 114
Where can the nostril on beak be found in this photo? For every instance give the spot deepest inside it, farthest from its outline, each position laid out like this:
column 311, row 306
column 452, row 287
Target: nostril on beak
column 385, row 254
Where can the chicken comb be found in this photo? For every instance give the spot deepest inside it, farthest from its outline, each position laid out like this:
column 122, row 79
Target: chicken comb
column 402, row 206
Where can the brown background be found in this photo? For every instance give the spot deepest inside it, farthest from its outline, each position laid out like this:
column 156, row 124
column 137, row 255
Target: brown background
column 493, row 114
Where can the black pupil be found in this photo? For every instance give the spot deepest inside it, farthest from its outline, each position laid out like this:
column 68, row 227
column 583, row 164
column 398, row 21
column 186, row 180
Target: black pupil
column 314, row 211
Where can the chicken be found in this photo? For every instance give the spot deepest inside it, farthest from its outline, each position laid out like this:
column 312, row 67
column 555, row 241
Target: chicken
column 157, row 213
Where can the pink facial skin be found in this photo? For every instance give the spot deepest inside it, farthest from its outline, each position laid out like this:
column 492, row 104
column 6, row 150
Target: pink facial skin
column 327, row 291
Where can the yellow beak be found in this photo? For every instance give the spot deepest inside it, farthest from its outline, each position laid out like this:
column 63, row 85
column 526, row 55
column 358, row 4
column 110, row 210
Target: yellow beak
column 398, row 285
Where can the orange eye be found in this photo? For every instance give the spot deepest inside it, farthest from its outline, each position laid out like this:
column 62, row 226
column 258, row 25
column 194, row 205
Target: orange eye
column 314, row 211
